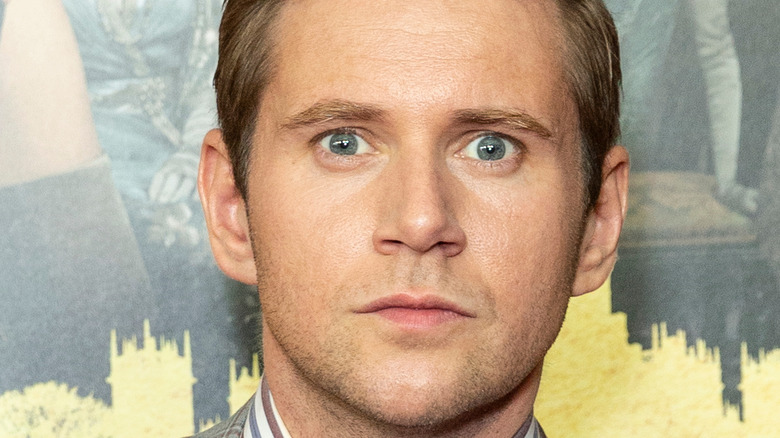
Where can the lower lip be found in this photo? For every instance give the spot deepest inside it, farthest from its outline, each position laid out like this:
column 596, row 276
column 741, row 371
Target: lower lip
column 418, row 318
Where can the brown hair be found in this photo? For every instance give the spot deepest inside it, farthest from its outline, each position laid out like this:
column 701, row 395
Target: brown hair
column 244, row 68
column 592, row 63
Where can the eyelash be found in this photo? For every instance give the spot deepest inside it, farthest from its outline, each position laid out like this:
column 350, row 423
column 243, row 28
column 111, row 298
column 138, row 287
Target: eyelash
column 514, row 141
column 341, row 130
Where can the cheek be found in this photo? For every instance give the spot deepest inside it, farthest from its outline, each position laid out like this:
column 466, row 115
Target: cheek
column 525, row 240
column 518, row 228
column 308, row 229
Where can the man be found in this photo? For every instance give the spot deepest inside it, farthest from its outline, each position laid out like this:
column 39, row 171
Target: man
column 416, row 188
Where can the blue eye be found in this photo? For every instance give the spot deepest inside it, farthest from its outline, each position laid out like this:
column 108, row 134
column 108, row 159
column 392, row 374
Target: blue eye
column 489, row 148
column 344, row 143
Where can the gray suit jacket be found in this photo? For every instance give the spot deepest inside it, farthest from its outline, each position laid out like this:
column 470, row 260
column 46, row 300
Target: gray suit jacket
column 233, row 427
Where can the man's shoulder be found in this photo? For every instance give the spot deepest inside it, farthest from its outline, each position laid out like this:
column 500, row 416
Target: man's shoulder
column 233, row 427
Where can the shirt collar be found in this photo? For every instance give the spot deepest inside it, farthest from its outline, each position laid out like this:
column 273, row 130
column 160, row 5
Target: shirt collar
column 530, row 429
column 264, row 420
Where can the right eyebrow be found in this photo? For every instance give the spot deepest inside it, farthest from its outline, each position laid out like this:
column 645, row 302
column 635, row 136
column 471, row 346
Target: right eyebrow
column 513, row 118
column 337, row 109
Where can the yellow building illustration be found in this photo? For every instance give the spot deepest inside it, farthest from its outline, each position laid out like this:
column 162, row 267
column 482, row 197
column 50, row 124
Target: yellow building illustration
column 244, row 385
column 151, row 387
column 241, row 388
column 151, row 392
column 761, row 392
column 595, row 384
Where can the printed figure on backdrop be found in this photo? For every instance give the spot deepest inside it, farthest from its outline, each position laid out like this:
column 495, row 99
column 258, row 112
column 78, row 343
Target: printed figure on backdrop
column 768, row 223
column 146, row 69
column 71, row 268
column 690, row 254
column 645, row 28
column 720, row 65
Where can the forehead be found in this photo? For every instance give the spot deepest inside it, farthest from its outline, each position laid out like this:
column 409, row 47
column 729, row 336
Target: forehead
column 419, row 53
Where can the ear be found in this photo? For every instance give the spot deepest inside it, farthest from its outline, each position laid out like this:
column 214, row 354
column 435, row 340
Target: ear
column 225, row 211
column 598, row 250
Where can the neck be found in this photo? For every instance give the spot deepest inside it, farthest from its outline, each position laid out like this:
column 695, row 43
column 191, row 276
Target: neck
column 307, row 410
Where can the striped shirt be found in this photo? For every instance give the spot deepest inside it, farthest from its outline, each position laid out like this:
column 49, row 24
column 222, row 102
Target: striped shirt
column 264, row 421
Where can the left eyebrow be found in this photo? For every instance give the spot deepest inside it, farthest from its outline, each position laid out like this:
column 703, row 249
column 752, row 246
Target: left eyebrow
column 514, row 119
column 328, row 110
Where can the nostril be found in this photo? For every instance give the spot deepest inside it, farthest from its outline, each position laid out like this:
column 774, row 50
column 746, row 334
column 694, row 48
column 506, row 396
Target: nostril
column 450, row 249
column 388, row 246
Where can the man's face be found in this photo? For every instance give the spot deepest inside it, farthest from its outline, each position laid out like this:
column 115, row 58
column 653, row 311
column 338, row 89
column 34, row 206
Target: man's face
column 415, row 201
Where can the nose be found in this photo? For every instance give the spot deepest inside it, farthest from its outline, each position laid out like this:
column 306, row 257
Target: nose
column 418, row 211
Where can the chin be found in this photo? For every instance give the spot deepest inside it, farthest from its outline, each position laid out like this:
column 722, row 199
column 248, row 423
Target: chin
column 434, row 405
column 419, row 412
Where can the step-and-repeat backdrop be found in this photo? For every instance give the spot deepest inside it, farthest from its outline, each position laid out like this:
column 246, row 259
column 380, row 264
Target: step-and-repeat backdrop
column 115, row 321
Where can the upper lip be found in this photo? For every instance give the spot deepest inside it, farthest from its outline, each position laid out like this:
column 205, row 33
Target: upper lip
column 413, row 302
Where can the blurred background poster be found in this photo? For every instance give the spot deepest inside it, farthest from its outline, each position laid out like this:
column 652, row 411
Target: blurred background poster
column 115, row 321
